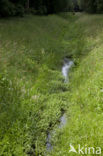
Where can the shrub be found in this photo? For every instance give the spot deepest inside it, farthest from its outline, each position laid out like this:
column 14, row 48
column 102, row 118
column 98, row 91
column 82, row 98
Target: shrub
column 32, row 10
column 99, row 6
column 20, row 10
column 6, row 8
column 42, row 10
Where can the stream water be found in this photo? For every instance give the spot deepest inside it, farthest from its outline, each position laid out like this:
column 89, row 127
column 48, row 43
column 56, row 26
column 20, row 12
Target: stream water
column 66, row 67
column 63, row 119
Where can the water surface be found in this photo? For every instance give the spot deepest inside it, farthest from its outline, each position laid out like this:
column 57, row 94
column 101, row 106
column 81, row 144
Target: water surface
column 63, row 119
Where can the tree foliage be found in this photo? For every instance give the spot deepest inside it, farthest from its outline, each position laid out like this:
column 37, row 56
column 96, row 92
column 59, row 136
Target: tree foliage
column 91, row 6
column 19, row 7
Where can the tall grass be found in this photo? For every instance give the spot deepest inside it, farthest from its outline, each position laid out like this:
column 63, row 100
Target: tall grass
column 32, row 88
column 85, row 112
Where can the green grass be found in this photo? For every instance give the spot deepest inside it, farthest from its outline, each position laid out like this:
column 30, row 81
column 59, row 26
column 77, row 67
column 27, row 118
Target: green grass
column 85, row 112
column 32, row 89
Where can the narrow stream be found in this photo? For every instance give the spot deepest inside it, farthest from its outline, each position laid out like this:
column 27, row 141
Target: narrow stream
column 66, row 67
column 63, row 119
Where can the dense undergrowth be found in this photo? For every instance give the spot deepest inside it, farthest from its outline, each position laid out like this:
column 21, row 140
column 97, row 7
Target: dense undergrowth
column 32, row 90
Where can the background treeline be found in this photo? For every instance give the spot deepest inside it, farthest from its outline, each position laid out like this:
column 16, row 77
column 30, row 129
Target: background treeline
column 20, row 7
column 91, row 6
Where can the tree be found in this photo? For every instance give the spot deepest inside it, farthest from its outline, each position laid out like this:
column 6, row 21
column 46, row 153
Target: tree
column 7, row 8
column 27, row 6
column 99, row 4
column 88, row 5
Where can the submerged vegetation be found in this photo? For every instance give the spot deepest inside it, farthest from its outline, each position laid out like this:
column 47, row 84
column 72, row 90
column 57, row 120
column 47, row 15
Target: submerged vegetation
column 32, row 90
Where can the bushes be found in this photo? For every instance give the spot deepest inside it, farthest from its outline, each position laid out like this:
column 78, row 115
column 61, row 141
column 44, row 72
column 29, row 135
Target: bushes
column 6, row 8
column 19, row 10
column 99, row 6
column 42, row 10
column 91, row 6
column 41, row 7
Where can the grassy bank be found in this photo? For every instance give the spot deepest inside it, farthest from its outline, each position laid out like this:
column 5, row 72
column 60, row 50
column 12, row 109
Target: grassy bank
column 85, row 112
column 32, row 89
column 31, row 85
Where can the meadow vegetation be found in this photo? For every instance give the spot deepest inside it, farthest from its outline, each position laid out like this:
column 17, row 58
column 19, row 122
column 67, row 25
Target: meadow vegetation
column 32, row 89
column 85, row 112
